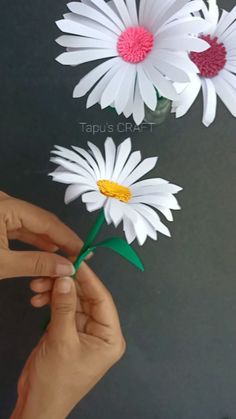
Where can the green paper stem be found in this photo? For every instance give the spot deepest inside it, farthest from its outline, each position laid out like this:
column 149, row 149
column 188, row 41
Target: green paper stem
column 90, row 239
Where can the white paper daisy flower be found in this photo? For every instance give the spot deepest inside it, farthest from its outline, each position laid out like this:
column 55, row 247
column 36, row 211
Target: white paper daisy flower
column 113, row 183
column 217, row 67
column 144, row 49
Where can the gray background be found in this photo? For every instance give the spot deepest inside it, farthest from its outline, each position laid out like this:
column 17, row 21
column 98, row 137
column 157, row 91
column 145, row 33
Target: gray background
column 179, row 318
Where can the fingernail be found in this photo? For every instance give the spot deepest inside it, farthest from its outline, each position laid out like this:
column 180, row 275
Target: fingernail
column 65, row 270
column 64, row 285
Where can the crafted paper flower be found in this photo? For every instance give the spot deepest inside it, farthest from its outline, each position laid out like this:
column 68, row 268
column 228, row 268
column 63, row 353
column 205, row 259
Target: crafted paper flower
column 140, row 48
column 113, row 183
column 217, row 67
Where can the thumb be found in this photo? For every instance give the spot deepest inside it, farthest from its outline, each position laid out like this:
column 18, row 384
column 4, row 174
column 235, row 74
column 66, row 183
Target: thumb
column 64, row 304
column 20, row 264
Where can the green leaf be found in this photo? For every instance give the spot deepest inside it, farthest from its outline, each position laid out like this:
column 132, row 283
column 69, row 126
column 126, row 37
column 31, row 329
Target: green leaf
column 121, row 247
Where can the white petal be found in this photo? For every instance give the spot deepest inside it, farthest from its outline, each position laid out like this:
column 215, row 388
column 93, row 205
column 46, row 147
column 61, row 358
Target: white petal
column 110, row 155
column 72, row 167
column 187, row 98
column 229, row 77
column 74, row 191
column 189, row 43
column 132, row 8
column 152, row 218
column 96, row 205
column 165, row 87
column 137, row 222
column 149, row 190
column 229, row 33
column 168, row 14
column 90, row 160
column 229, row 66
column 165, row 211
column 142, row 6
column 147, row 90
column 148, row 182
column 123, row 12
column 144, row 167
column 105, row 34
column 123, row 152
column 153, row 8
column 113, row 86
column 191, row 7
column 107, row 211
column 214, row 13
column 91, row 13
column 95, row 95
column 116, row 211
column 138, row 106
column 149, row 231
column 226, row 93
column 70, row 155
column 165, row 200
column 181, row 61
column 130, row 165
column 87, row 82
column 89, row 197
column 209, row 101
column 99, row 159
column 70, row 26
column 188, row 25
column 129, row 230
column 109, row 12
column 226, row 22
column 128, row 110
column 68, row 178
column 80, row 57
column 156, row 13
column 170, row 70
column 125, row 90
column 73, row 41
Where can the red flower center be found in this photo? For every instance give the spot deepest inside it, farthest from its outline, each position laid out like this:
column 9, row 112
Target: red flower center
column 134, row 44
column 211, row 61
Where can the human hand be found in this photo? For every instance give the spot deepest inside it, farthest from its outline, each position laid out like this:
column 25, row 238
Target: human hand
column 22, row 221
column 83, row 341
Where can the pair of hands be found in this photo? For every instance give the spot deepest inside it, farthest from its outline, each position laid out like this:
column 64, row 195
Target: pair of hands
column 84, row 338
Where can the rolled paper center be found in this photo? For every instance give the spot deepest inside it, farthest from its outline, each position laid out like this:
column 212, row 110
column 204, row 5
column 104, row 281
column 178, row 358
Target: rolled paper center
column 134, row 44
column 114, row 190
column 211, row 61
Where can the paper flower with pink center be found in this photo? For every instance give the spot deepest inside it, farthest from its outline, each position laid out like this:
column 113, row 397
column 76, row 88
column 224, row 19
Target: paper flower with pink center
column 113, row 183
column 144, row 50
column 216, row 65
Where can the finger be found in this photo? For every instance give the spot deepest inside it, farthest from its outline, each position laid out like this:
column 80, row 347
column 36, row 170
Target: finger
column 39, row 221
column 3, row 196
column 40, row 264
column 93, row 292
column 42, row 284
column 33, row 239
column 41, row 300
column 63, row 303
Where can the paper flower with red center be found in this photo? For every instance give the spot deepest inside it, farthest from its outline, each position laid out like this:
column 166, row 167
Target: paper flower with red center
column 144, row 50
column 113, row 184
column 216, row 65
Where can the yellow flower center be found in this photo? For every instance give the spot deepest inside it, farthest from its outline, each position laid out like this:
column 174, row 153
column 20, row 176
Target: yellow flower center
column 114, row 190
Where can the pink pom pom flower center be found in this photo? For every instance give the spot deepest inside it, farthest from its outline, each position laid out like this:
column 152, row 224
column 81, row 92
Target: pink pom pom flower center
column 134, row 44
column 211, row 61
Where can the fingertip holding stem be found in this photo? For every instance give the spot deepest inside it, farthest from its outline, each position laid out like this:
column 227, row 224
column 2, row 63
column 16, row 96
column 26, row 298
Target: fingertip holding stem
column 64, row 285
